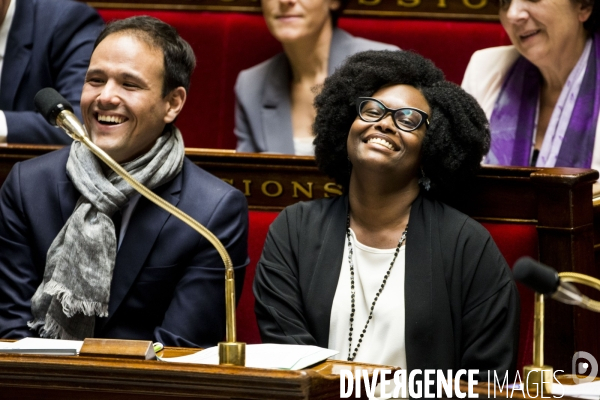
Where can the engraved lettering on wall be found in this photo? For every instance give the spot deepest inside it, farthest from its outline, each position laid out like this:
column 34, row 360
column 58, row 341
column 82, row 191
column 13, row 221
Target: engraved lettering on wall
column 247, row 183
column 369, row 2
column 409, row 3
column 332, row 188
column 306, row 191
column 267, row 188
column 476, row 6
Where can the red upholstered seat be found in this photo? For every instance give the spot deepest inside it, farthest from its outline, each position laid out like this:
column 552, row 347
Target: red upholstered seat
column 226, row 43
column 259, row 222
column 515, row 241
column 449, row 44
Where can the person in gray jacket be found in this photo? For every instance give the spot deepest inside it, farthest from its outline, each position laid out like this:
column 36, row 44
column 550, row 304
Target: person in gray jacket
column 274, row 99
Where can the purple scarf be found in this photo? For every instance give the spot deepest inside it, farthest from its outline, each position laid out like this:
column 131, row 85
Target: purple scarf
column 514, row 117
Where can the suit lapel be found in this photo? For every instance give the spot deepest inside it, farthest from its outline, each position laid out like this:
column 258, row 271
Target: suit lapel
column 341, row 48
column 18, row 52
column 144, row 226
column 276, row 110
column 68, row 197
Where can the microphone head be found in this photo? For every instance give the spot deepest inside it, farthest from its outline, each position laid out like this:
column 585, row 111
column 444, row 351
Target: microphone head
column 536, row 275
column 50, row 103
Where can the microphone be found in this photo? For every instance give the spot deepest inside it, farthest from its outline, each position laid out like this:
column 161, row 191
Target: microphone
column 59, row 112
column 545, row 280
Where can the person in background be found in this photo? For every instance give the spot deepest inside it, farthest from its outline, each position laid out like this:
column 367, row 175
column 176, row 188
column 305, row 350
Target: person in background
column 542, row 94
column 387, row 273
column 43, row 43
column 83, row 255
column 274, row 100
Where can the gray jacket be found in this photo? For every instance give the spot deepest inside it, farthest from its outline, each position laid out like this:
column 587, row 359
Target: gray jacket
column 263, row 121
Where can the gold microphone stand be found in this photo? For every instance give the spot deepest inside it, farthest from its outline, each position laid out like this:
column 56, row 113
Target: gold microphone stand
column 539, row 375
column 231, row 352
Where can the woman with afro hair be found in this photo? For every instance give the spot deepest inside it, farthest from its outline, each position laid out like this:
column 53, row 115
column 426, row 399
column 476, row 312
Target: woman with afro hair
column 386, row 273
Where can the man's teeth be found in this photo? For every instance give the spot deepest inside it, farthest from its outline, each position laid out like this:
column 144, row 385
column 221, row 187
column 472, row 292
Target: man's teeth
column 110, row 118
column 382, row 142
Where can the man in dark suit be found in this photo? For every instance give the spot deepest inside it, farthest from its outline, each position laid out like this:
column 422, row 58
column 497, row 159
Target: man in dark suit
column 69, row 266
column 48, row 43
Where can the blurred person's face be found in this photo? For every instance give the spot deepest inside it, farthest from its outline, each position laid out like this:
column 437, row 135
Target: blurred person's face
column 121, row 102
column 290, row 20
column 381, row 145
column 543, row 31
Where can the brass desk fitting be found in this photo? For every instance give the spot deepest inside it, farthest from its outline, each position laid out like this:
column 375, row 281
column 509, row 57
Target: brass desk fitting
column 539, row 375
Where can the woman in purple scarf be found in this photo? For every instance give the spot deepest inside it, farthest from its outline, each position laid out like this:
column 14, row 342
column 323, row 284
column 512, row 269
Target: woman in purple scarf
column 542, row 94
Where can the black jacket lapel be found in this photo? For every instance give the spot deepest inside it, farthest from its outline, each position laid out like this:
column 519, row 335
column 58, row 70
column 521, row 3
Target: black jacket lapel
column 418, row 296
column 327, row 270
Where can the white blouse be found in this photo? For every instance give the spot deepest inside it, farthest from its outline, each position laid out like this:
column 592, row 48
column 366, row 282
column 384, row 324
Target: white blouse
column 383, row 342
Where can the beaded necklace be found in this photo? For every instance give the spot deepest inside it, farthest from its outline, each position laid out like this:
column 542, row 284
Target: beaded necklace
column 352, row 292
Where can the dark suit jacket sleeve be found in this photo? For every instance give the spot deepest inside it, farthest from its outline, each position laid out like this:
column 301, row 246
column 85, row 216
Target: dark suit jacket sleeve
column 18, row 276
column 74, row 32
column 196, row 314
column 279, row 306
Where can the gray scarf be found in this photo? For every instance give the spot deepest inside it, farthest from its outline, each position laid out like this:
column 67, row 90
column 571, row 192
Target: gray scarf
column 80, row 261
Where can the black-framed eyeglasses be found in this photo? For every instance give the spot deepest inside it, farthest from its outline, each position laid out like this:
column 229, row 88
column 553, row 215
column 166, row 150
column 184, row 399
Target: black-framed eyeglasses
column 406, row 118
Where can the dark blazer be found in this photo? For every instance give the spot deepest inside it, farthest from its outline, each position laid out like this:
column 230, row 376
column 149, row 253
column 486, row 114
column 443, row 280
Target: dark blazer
column 461, row 304
column 49, row 44
column 263, row 117
column 168, row 281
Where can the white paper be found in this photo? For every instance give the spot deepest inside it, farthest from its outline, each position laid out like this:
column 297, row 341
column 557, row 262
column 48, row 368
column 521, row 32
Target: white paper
column 43, row 346
column 590, row 390
column 270, row 356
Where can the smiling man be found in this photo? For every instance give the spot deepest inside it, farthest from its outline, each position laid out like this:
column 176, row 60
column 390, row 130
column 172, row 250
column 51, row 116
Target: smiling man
column 82, row 254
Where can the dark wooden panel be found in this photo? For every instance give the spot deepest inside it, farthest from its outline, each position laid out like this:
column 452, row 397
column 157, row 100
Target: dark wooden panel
column 78, row 377
column 485, row 10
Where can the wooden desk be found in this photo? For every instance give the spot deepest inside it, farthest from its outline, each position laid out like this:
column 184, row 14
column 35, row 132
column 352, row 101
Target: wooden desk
column 74, row 377
column 34, row 377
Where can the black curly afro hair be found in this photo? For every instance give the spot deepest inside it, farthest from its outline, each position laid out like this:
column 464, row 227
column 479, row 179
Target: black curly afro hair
column 455, row 142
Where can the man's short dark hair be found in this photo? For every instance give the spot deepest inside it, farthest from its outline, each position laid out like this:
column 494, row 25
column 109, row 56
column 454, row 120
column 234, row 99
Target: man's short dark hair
column 455, row 142
column 179, row 58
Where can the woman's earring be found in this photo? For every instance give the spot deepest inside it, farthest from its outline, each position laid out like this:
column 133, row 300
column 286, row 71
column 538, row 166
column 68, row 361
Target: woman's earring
column 424, row 181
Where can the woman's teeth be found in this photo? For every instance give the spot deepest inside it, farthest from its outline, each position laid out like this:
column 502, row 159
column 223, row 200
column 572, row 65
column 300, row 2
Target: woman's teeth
column 382, row 142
